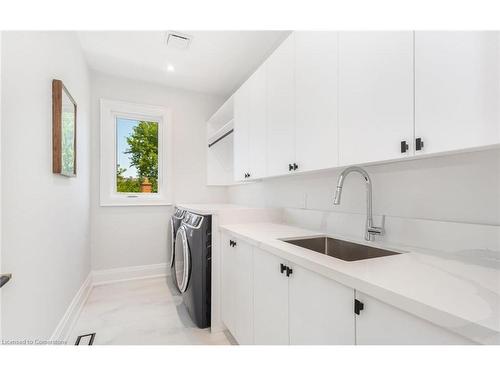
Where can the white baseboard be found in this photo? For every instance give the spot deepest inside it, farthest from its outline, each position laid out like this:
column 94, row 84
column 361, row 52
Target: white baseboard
column 71, row 315
column 114, row 275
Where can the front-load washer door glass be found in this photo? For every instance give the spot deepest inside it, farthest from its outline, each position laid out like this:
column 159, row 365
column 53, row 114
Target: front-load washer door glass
column 170, row 255
column 182, row 260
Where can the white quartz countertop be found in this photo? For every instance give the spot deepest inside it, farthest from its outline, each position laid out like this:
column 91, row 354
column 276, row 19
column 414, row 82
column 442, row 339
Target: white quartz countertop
column 209, row 208
column 461, row 297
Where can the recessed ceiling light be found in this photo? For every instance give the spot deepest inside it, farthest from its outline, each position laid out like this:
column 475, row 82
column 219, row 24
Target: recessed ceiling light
column 170, row 68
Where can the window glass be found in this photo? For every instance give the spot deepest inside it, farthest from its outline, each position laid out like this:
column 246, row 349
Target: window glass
column 136, row 156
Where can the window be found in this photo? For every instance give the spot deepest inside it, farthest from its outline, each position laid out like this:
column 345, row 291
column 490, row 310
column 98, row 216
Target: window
column 135, row 154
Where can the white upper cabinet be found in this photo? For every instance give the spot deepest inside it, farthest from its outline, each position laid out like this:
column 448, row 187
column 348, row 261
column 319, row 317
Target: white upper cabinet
column 457, row 89
column 316, row 111
column 242, row 123
column 257, row 132
column 375, row 95
column 281, row 108
column 328, row 99
column 250, row 128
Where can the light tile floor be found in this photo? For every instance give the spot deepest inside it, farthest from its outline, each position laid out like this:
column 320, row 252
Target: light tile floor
column 141, row 312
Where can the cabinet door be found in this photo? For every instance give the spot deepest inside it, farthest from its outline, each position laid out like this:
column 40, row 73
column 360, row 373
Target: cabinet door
column 375, row 95
column 316, row 80
column 257, row 131
column 320, row 310
column 228, row 284
column 382, row 324
column 242, row 119
column 243, row 296
column 280, row 108
column 457, row 89
column 270, row 300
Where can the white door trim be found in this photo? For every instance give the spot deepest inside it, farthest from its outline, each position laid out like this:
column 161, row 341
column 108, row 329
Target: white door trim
column 0, row 183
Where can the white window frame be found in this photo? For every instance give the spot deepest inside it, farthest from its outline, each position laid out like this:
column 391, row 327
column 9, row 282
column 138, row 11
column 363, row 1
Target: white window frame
column 110, row 111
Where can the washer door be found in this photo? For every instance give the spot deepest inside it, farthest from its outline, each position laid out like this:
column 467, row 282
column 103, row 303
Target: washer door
column 170, row 255
column 182, row 260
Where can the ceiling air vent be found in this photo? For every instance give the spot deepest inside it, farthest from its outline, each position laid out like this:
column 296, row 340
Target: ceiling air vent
column 177, row 40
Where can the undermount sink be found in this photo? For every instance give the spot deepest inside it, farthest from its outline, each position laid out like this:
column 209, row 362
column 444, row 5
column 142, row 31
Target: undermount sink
column 344, row 250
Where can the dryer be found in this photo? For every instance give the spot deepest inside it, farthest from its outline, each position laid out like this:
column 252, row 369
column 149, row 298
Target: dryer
column 192, row 266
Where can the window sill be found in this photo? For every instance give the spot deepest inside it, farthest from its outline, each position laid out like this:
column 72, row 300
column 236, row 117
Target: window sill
column 134, row 201
column 118, row 204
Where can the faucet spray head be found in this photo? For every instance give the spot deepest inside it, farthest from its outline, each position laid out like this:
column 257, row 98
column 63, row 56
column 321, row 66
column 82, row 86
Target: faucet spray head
column 337, row 196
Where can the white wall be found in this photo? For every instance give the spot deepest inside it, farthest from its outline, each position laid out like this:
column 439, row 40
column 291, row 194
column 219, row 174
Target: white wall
column 45, row 217
column 133, row 236
column 460, row 188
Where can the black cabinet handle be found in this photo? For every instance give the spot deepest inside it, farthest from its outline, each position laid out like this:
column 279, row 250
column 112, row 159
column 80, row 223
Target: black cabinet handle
column 232, row 243
column 290, row 167
column 248, row 174
column 295, row 166
column 4, row 279
column 358, row 306
column 404, row 147
column 288, row 271
column 419, row 144
column 282, row 268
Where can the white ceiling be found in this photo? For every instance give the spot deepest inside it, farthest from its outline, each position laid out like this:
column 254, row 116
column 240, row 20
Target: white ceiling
column 217, row 62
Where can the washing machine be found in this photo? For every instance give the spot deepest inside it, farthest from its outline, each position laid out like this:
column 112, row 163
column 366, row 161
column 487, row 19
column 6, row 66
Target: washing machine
column 175, row 223
column 192, row 266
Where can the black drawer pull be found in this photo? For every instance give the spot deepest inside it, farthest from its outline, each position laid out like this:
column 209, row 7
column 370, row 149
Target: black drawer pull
column 404, row 147
column 358, row 306
column 282, row 268
column 419, row 144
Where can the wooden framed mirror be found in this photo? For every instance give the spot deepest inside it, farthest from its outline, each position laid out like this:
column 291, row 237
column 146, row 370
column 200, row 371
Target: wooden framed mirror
column 63, row 130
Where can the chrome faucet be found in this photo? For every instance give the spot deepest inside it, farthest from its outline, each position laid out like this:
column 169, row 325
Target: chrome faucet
column 371, row 230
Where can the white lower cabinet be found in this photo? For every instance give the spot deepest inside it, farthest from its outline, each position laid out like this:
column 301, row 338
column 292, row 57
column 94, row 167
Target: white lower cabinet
column 381, row 324
column 228, row 279
column 270, row 299
column 244, row 293
column 320, row 310
column 293, row 305
column 237, row 289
